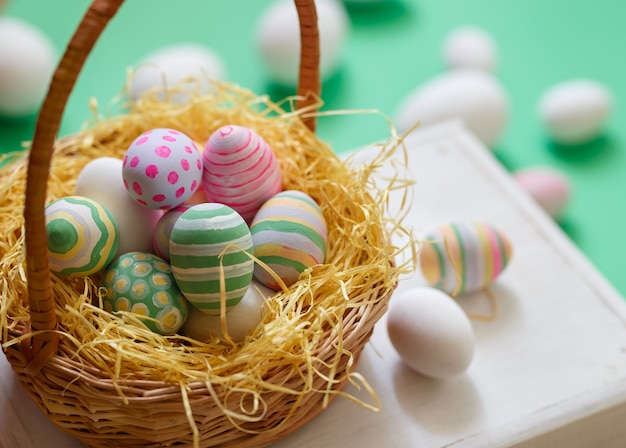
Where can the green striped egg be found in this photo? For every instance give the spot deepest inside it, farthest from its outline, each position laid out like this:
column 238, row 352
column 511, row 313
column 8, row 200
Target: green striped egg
column 290, row 235
column 211, row 242
column 142, row 283
column 82, row 236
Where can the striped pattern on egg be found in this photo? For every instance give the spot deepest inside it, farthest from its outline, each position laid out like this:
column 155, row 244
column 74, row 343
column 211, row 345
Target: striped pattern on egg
column 290, row 236
column 162, row 168
column 240, row 170
column 82, row 236
column 209, row 241
column 143, row 284
column 464, row 257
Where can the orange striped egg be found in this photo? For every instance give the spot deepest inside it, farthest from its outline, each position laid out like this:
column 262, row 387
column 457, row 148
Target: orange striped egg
column 462, row 257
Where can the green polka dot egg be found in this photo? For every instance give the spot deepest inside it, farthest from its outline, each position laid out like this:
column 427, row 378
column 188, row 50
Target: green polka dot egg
column 82, row 236
column 143, row 284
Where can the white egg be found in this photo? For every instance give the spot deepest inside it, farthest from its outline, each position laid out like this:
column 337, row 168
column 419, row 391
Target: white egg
column 549, row 187
column 470, row 47
column 27, row 62
column 430, row 332
column 101, row 180
column 471, row 95
column 170, row 66
column 240, row 319
column 278, row 39
column 575, row 111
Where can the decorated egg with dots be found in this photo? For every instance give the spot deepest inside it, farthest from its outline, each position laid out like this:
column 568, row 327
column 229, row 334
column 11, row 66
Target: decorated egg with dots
column 82, row 236
column 211, row 246
column 463, row 257
column 162, row 168
column 163, row 230
column 240, row 170
column 290, row 235
column 143, row 284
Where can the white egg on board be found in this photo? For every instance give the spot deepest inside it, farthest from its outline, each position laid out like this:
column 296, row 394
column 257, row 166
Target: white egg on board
column 101, row 180
column 27, row 61
column 278, row 39
column 240, row 319
column 575, row 111
column 549, row 187
column 470, row 47
column 170, row 66
column 474, row 96
column 431, row 332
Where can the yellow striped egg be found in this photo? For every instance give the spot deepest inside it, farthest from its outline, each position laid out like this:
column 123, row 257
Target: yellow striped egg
column 82, row 236
column 289, row 234
column 463, row 257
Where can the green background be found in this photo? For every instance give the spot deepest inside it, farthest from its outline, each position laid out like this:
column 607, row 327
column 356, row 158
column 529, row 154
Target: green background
column 393, row 47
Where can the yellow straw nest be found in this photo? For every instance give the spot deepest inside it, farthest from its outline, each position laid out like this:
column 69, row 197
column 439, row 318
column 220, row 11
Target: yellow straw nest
column 114, row 381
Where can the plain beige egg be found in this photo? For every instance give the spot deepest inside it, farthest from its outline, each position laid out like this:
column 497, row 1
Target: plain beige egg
column 240, row 319
column 430, row 332
column 473, row 96
column 27, row 62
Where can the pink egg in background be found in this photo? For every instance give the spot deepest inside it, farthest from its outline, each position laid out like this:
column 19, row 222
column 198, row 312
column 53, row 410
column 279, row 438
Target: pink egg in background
column 163, row 230
column 240, row 170
column 162, row 168
column 547, row 186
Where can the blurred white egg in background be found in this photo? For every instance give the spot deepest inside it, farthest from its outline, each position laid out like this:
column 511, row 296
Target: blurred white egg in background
column 27, row 61
column 278, row 39
column 473, row 96
column 470, row 47
column 575, row 111
column 173, row 65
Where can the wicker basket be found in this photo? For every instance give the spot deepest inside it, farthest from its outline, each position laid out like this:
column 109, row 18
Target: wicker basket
column 103, row 407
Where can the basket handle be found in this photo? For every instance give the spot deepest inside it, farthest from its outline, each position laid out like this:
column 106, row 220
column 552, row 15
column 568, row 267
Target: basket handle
column 44, row 344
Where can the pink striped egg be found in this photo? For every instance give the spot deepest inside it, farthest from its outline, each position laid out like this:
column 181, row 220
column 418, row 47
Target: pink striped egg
column 162, row 168
column 463, row 257
column 240, row 170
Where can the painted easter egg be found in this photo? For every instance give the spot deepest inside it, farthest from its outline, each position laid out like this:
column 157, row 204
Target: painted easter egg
column 430, row 332
column 290, row 235
column 162, row 168
column 101, row 180
column 464, row 256
column 163, row 230
column 82, row 236
column 240, row 170
column 211, row 243
column 549, row 187
column 143, row 284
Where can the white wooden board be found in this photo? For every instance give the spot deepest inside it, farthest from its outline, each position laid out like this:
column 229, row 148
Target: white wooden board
column 549, row 371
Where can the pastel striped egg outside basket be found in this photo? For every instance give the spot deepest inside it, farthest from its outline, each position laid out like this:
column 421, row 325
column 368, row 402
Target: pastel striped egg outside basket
column 464, row 257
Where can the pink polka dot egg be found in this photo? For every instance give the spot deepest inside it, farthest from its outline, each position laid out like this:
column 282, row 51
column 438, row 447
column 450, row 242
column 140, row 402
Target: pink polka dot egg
column 162, row 168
